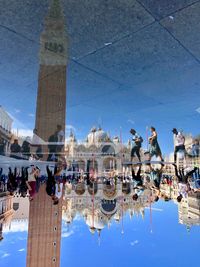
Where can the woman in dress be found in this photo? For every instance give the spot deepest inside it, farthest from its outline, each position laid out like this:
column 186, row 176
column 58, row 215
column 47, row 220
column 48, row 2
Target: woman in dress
column 154, row 149
column 31, row 183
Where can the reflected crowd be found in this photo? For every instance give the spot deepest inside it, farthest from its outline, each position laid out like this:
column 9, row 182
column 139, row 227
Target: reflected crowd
column 136, row 179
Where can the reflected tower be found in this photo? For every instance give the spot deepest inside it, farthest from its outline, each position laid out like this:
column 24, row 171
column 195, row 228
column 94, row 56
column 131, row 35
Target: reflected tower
column 44, row 232
column 51, row 97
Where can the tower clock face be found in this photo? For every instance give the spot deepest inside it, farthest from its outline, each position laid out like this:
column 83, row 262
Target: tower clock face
column 54, row 47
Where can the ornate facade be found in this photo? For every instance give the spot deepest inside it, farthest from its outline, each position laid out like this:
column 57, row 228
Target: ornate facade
column 100, row 206
column 6, row 211
column 104, row 153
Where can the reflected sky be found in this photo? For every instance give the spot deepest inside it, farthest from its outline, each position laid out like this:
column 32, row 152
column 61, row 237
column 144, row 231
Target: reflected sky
column 167, row 244
column 133, row 63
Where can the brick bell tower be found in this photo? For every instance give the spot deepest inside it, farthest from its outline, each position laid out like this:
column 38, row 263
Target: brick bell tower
column 44, row 230
column 51, row 97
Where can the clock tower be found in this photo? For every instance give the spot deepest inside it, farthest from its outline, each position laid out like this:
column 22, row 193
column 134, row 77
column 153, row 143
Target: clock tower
column 51, row 98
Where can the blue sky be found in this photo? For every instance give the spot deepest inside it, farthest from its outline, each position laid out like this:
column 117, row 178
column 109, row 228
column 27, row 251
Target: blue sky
column 169, row 245
column 13, row 249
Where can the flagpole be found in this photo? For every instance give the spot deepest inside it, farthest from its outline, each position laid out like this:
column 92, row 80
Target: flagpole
column 147, row 137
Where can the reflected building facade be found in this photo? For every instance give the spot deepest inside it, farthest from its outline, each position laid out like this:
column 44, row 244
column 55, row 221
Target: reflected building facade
column 100, row 205
column 6, row 211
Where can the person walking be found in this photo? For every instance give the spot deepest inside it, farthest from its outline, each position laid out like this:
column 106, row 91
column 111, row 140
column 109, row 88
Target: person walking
column 154, row 149
column 31, row 183
column 137, row 177
column 26, row 148
column 2, row 146
column 195, row 148
column 183, row 184
column 179, row 143
column 15, row 149
column 136, row 144
column 51, row 185
column 36, row 145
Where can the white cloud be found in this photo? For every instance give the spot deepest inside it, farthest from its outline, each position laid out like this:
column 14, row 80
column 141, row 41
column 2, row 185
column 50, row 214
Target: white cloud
column 106, row 44
column 198, row 110
column 20, row 127
column 131, row 121
column 23, row 132
column 67, row 234
column 22, row 249
column 5, row 255
column 17, row 110
column 31, row 115
column 134, row 243
column 155, row 209
column 69, row 128
column 17, row 227
column 78, row 218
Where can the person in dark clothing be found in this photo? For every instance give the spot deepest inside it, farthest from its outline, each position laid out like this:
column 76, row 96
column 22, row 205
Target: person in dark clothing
column 182, row 177
column 156, row 175
column 38, row 152
column 15, row 150
column 26, row 149
column 136, row 144
column 137, row 177
column 1, row 180
column 2, row 147
column 51, row 184
column 23, row 182
column 12, row 182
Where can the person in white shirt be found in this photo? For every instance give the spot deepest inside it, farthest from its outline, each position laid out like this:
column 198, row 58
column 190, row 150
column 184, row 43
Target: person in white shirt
column 179, row 143
column 59, row 190
column 36, row 145
column 182, row 179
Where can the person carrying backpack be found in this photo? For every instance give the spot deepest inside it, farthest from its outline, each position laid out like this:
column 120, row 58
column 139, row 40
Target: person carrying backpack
column 136, row 144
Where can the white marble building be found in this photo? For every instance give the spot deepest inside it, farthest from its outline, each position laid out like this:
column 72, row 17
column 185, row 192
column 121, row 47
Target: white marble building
column 104, row 153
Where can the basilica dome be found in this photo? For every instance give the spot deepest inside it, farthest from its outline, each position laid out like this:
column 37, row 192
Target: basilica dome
column 97, row 136
column 96, row 222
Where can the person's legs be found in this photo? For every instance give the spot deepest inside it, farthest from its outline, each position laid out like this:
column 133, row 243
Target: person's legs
column 191, row 172
column 137, row 150
column 160, row 155
column 176, row 172
column 181, row 171
column 175, row 153
column 133, row 173
column 133, row 152
column 139, row 178
column 181, row 175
